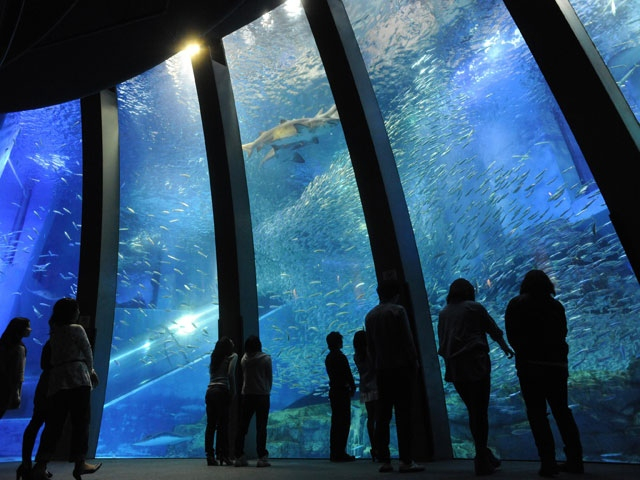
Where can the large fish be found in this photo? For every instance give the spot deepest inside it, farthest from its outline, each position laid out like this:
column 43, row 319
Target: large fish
column 162, row 439
column 293, row 134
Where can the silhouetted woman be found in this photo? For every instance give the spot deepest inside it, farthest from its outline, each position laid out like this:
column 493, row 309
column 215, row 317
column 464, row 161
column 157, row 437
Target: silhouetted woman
column 463, row 326
column 221, row 389
column 40, row 409
column 13, row 355
column 368, row 385
column 536, row 327
column 71, row 377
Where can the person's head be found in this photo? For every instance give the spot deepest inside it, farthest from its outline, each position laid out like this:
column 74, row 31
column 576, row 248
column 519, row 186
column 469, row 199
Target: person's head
column 388, row 290
column 252, row 344
column 65, row 312
column 537, row 282
column 224, row 346
column 461, row 290
column 360, row 343
column 17, row 329
column 334, row 341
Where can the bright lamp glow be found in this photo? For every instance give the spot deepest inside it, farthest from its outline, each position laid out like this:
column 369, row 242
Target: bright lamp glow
column 192, row 49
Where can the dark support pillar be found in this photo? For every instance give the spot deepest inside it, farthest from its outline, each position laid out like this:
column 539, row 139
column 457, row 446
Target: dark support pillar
column 99, row 240
column 391, row 235
column 232, row 219
column 599, row 116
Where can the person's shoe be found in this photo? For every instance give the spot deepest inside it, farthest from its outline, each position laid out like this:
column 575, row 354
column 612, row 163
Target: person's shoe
column 410, row 467
column 576, row 466
column 83, row 468
column 23, row 472
column 386, row 467
column 549, row 469
column 493, row 460
column 225, row 461
column 263, row 462
column 241, row 461
column 211, row 461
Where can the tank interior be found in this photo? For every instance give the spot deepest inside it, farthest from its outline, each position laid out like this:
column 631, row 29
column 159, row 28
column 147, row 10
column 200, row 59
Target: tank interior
column 266, row 180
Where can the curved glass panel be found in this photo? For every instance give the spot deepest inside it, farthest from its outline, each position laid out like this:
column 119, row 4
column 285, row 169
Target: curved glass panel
column 614, row 28
column 166, row 318
column 40, row 223
column 495, row 186
column 314, row 268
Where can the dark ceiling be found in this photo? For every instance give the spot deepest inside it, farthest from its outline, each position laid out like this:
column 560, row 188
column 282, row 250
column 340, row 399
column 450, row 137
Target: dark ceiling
column 53, row 51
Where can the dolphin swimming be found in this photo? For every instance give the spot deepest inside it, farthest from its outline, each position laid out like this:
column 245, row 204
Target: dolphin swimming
column 293, row 134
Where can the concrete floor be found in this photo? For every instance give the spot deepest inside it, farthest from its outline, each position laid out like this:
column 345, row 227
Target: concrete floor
column 196, row 469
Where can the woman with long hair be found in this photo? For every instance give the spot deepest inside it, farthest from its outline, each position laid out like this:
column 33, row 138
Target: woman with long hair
column 463, row 325
column 536, row 326
column 220, row 391
column 13, row 356
column 71, row 378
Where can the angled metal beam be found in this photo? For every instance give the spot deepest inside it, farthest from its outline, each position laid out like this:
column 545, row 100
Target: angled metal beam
column 99, row 237
column 393, row 246
column 237, row 289
column 599, row 116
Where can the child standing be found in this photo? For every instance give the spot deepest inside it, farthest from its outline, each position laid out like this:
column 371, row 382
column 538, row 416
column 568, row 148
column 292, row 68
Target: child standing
column 341, row 388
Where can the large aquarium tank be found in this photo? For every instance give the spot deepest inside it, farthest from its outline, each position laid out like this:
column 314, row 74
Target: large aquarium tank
column 494, row 182
column 40, row 227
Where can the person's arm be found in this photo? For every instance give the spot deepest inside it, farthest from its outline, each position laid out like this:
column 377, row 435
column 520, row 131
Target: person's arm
column 496, row 334
column 18, row 368
column 409, row 344
column 82, row 341
column 231, row 372
column 269, row 373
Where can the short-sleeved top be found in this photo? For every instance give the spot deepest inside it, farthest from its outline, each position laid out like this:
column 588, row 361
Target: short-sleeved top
column 462, row 335
column 71, row 358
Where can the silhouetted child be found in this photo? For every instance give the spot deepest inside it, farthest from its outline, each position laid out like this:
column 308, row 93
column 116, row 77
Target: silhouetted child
column 256, row 390
column 368, row 385
column 341, row 388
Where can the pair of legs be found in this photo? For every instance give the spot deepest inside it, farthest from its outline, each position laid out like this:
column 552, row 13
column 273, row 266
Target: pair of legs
column 371, row 407
column 340, row 422
column 74, row 403
column 475, row 395
column 40, row 411
column 548, row 385
column 395, row 391
column 217, row 401
column 250, row 405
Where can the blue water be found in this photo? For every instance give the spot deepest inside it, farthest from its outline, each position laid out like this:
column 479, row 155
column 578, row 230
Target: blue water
column 495, row 185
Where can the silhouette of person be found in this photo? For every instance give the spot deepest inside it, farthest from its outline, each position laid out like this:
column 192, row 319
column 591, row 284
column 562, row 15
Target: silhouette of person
column 463, row 325
column 536, row 327
column 71, row 378
column 221, row 389
column 40, row 410
column 255, row 399
column 13, row 356
column 368, row 385
column 393, row 354
column 342, row 387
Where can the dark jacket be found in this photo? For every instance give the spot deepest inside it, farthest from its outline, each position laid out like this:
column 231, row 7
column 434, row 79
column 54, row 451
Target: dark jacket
column 536, row 328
